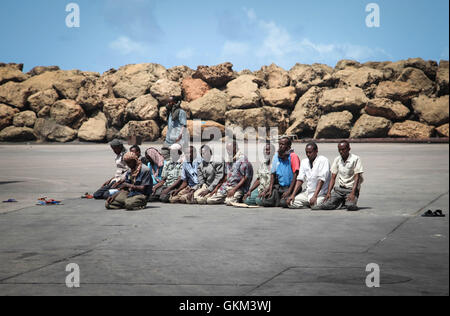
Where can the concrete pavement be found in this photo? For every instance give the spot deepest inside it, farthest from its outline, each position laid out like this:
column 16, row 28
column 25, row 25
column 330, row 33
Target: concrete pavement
column 204, row 250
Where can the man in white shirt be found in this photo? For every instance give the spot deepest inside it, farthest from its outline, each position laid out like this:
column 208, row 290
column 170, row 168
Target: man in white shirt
column 347, row 171
column 315, row 172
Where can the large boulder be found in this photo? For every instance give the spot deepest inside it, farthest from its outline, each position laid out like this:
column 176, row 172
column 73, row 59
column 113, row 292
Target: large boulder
column 216, row 76
column 165, row 88
column 263, row 117
column 49, row 130
column 39, row 70
column 42, row 99
column 377, row 64
column 306, row 114
column 443, row 130
column 207, row 128
column 371, row 127
column 428, row 67
column 6, row 115
column 92, row 93
column 17, row 134
column 67, row 112
column 334, row 125
column 274, row 76
column 281, row 97
column 392, row 110
column 114, row 110
column 132, row 81
column 44, row 112
column 142, row 109
column 243, row 92
column 352, row 99
column 361, row 77
column 94, row 129
column 11, row 73
column 347, row 63
column 212, row 106
column 15, row 94
column 303, row 77
column 432, row 111
column 417, row 78
column 442, row 78
column 18, row 67
column 25, row 119
column 411, row 129
column 179, row 73
column 148, row 130
column 397, row 91
column 194, row 89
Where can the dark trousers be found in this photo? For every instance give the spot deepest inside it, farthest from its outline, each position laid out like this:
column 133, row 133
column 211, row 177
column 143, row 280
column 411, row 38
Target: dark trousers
column 159, row 197
column 338, row 198
column 275, row 199
column 102, row 193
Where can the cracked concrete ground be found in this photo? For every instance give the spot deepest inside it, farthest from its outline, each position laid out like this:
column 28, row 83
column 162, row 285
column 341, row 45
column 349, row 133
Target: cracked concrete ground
column 217, row 250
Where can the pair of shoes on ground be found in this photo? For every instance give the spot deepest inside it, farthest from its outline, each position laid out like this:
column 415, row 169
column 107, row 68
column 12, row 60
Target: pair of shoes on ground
column 437, row 213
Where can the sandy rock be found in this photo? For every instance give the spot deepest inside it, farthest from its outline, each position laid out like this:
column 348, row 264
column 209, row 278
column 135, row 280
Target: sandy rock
column 148, row 130
column 163, row 114
column 17, row 134
column 49, row 130
column 442, row 78
column 16, row 66
column 111, row 133
column 347, row 63
column 216, row 76
column 67, row 112
column 114, row 110
column 377, row 64
column 15, row 94
column 362, row 77
column 371, row 127
column 132, row 81
column 44, row 112
column 428, row 67
column 93, row 130
column 7, row 115
column 334, row 125
column 274, row 76
column 142, row 109
column 39, row 70
column 443, row 130
column 42, row 99
column 411, row 129
column 194, row 89
column 92, row 93
column 306, row 114
column 212, row 106
column 418, row 79
column 178, row 73
column 25, row 119
column 352, row 99
column 392, row 110
column 263, row 117
column 397, row 91
column 243, row 92
column 303, row 77
column 208, row 130
column 164, row 88
column 11, row 73
column 432, row 111
column 282, row 97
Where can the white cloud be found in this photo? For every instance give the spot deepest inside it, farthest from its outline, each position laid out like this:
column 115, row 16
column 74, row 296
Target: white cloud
column 185, row 53
column 126, row 46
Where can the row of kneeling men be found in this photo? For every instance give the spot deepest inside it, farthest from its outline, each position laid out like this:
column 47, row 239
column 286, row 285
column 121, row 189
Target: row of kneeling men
column 177, row 175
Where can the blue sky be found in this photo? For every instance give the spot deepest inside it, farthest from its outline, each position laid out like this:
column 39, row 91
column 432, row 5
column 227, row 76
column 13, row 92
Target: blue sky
column 249, row 33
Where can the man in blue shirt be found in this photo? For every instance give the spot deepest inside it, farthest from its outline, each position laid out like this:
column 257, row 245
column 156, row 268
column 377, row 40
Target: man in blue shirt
column 185, row 193
column 177, row 131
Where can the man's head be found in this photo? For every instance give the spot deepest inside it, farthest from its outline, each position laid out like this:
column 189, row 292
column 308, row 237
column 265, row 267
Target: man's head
column 136, row 149
column 344, row 149
column 190, row 153
column 170, row 102
column 284, row 146
column 311, row 151
column 131, row 160
column 175, row 152
column 232, row 148
column 116, row 146
column 269, row 152
column 206, row 153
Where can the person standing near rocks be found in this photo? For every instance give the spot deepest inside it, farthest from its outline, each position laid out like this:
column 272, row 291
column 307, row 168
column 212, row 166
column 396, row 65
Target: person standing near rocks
column 346, row 173
column 121, row 168
column 177, row 132
column 315, row 172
